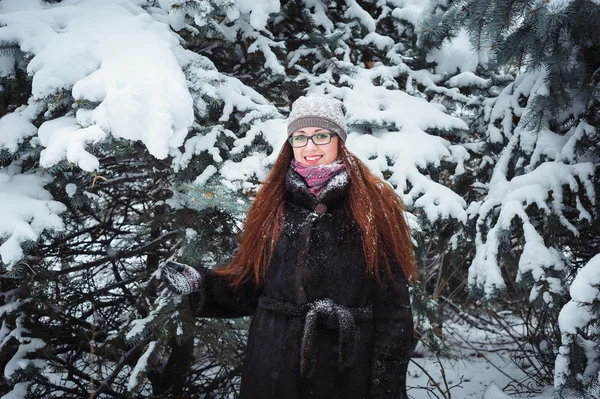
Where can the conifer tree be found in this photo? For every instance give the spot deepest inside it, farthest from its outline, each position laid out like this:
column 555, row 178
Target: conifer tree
column 540, row 134
column 154, row 151
column 85, row 314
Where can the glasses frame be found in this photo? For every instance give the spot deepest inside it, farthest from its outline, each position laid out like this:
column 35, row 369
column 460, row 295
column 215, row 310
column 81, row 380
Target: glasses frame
column 330, row 134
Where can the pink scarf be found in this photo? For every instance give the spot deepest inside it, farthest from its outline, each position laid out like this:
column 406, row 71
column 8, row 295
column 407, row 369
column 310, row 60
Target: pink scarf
column 318, row 176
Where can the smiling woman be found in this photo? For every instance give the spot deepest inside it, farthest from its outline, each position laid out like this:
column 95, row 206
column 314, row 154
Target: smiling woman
column 322, row 268
column 314, row 146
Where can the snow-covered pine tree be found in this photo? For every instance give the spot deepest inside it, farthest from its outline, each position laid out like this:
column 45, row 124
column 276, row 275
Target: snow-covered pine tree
column 577, row 370
column 541, row 137
column 150, row 147
column 134, row 136
column 463, row 82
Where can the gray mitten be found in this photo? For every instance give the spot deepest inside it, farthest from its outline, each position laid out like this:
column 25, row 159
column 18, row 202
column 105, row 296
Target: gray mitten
column 180, row 278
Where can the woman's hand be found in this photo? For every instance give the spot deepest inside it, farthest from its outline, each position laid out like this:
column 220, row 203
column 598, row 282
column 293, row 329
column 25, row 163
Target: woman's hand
column 180, row 278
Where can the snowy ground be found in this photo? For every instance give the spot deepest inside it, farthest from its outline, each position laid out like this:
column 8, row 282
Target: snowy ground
column 479, row 364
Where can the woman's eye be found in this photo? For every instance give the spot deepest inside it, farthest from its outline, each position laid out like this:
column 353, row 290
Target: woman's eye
column 299, row 138
column 322, row 136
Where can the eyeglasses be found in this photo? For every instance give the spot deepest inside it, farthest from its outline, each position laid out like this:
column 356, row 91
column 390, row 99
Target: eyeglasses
column 317, row 139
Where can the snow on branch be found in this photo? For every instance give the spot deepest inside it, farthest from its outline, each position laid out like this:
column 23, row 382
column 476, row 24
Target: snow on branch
column 19, row 391
column 130, row 70
column 138, row 328
column 533, row 171
column 318, row 13
column 578, row 321
column 230, row 17
column 140, row 367
column 354, row 10
column 27, row 210
column 509, row 199
column 499, row 111
column 258, row 118
column 27, row 345
column 15, row 129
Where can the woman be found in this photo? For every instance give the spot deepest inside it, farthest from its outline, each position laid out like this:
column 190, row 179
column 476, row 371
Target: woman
column 322, row 268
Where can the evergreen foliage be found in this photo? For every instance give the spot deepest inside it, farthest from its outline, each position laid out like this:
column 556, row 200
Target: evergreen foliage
column 540, row 134
column 496, row 161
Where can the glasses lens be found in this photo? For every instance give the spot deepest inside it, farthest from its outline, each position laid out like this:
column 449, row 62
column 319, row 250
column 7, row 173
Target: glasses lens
column 321, row 138
column 299, row 141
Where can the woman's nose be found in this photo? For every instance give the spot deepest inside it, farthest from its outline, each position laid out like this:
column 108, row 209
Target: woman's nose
column 310, row 144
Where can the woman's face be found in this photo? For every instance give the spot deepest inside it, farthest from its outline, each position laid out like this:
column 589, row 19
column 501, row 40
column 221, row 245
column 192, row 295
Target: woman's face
column 312, row 154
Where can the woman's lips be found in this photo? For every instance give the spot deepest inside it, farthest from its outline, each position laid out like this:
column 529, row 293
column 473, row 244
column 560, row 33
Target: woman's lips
column 313, row 159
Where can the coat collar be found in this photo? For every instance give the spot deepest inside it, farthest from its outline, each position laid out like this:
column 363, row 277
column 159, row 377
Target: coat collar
column 335, row 190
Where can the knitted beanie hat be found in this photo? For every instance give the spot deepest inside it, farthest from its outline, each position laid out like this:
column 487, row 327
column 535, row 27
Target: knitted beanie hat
column 318, row 111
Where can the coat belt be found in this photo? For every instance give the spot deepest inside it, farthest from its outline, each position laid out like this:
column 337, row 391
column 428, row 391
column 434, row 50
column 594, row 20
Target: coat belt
column 322, row 312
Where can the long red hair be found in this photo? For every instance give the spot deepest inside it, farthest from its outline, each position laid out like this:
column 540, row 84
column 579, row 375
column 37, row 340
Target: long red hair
column 376, row 207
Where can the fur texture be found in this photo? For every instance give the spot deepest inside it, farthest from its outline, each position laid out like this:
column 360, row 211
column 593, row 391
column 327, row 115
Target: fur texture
column 321, row 328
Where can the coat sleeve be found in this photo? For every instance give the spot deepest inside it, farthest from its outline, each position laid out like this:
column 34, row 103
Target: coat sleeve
column 217, row 298
column 394, row 339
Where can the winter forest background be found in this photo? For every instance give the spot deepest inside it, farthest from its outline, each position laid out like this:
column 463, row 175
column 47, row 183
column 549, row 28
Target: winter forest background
column 133, row 131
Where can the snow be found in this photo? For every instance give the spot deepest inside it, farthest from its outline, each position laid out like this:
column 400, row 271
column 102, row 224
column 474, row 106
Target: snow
column 271, row 62
column 478, row 364
column 137, row 326
column 409, row 150
column 584, row 291
column 575, row 134
column 585, row 288
column 506, row 105
column 239, row 96
column 573, row 316
column 379, row 41
column 467, row 79
column 64, row 139
column 579, row 315
column 140, row 366
column 19, row 391
column 493, row 391
column 376, row 104
column 261, row 117
column 27, row 210
column 318, row 13
column 205, row 175
column 410, row 10
column 354, row 10
column 9, row 307
column 15, row 129
column 198, row 144
column 19, row 5
column 7, row 66
column 258, row 11
column 252, row 165
column 456, row 55
column 131, row 68
column 540, row 182
column 71, row 189
column 19, row 360
column 513, row 197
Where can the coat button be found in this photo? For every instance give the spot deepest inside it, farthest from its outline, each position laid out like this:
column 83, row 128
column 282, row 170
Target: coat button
column 320, row 209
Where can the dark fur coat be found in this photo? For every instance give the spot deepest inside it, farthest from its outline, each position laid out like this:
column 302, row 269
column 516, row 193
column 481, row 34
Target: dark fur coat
column 320, row 327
